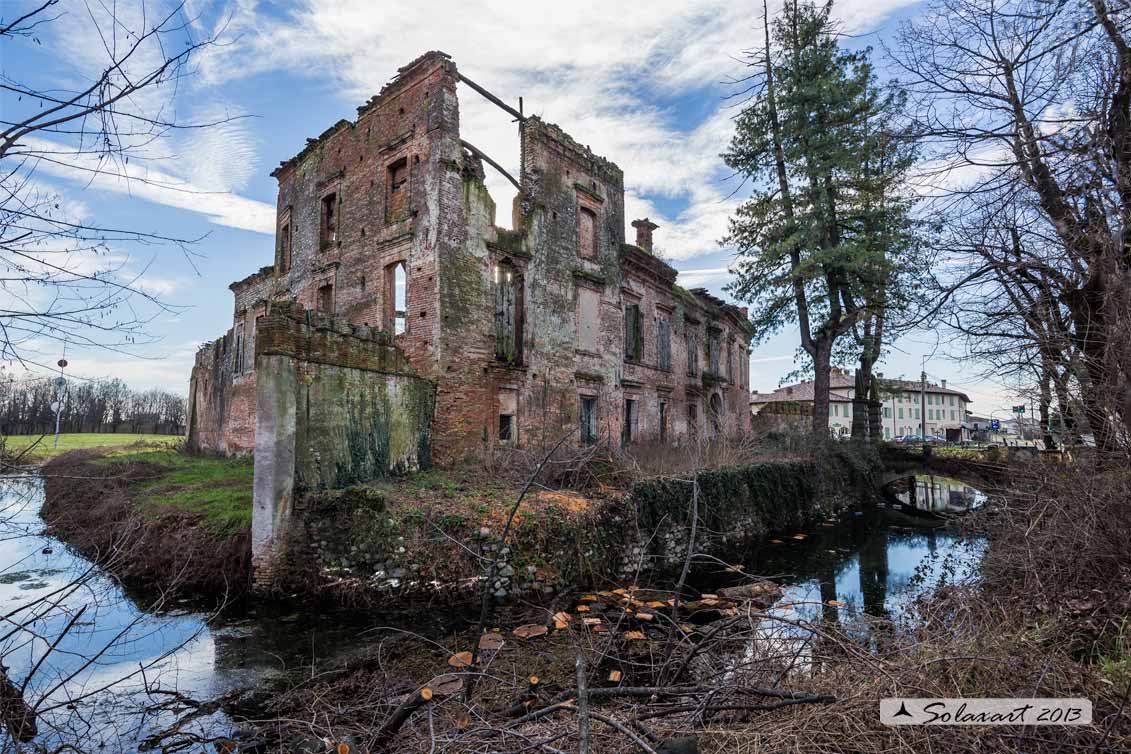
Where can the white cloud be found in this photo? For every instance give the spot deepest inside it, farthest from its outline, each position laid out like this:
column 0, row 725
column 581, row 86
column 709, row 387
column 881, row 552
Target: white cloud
column 598, row 69
column 138, row 180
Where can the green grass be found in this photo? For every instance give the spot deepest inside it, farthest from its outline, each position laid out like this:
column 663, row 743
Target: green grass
column 45, row 450
column 217, row 489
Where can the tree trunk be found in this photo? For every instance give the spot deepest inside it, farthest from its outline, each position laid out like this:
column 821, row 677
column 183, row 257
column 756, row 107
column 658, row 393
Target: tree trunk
column 875, row 413
column 822, row 360
column 1046, row 400
column 860, row 402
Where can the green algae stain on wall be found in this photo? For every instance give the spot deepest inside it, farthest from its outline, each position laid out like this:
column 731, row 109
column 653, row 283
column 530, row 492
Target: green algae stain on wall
column 362, row 426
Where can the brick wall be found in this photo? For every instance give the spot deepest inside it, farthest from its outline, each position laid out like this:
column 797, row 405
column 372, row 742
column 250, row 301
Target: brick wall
column 399, row 189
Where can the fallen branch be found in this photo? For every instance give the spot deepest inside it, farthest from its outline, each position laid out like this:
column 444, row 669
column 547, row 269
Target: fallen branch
column 400, row 716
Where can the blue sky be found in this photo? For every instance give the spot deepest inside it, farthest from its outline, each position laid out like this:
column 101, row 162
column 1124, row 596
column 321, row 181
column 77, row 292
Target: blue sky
column 642, row 83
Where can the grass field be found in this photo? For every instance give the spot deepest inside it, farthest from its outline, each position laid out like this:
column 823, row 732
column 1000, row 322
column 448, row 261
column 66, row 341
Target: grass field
column 15, row 444
column 217, row 489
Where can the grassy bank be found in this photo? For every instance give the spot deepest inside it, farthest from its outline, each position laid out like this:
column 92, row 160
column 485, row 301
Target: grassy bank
column 160, row 520
column 31, row 449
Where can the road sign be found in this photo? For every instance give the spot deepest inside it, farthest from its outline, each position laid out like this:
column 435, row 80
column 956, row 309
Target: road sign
column 62, row 363
column 995, row 424
column 55, row 406
column 60, row 381
column 1018, row 409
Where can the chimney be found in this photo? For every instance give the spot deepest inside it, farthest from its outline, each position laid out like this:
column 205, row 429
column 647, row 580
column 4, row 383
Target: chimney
column 943, row 384
column 644, row 230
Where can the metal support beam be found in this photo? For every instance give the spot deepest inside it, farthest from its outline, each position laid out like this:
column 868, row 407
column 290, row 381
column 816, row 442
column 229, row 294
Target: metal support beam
column 492, row 98
column 479, row 153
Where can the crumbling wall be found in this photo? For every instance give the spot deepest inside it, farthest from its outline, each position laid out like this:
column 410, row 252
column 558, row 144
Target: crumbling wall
column 209, row 388
column 337, row 404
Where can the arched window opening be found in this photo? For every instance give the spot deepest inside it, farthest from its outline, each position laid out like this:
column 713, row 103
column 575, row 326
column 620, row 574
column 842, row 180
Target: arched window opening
column 400, row 298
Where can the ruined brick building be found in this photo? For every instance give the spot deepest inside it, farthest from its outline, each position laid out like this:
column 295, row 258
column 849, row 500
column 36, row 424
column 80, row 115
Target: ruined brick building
column 556, row 325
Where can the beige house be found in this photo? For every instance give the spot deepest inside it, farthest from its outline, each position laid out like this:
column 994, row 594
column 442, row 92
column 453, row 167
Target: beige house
column 903, row 414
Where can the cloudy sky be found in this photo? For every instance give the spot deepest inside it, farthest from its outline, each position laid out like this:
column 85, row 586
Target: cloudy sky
column 644, row 84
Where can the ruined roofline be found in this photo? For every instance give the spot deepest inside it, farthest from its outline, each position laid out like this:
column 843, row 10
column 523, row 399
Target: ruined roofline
column 582, row 153
column 402, row 78
column 261, row 273
column 714, row 302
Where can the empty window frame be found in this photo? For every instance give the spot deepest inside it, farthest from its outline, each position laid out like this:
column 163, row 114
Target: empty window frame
column 586, row 233
column 508, row 313
column 663, row 419
column 328, row 233
column 396, row 190
column 237, row 351
column 692, row 419
column 506, row 428
column 284, row 261
column 394, row 301
column 588, row 416
column 633, row 336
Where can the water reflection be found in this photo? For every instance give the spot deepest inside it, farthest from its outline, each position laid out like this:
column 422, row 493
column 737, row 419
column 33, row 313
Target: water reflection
column 935, row 494
column 869, row 564
column 94, row 657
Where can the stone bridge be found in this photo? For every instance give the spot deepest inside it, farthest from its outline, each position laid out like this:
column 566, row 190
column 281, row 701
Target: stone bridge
column 899, row 462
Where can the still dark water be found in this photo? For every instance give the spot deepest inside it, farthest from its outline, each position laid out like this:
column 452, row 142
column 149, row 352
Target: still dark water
column 106, row 684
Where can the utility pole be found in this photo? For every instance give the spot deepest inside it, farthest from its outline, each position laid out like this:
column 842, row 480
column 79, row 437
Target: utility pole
column 923, row 406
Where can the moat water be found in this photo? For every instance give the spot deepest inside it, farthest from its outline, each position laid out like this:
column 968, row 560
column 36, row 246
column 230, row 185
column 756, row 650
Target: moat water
column 107, row 682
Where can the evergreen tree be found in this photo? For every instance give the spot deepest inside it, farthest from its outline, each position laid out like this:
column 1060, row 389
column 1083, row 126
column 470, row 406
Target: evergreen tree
column 815, row 143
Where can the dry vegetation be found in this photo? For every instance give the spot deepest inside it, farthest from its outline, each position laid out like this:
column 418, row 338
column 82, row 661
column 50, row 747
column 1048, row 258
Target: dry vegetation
column 1047, row 616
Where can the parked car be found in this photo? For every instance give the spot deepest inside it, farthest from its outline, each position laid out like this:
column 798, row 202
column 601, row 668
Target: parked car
column 910, row 439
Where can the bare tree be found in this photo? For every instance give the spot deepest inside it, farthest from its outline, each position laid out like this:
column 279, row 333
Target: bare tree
column 1030, row 102
column 64, row 279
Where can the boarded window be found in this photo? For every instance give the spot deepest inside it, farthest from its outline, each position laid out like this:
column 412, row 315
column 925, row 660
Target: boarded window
column 508, row 314
column 663, row 420
column 692, row 352
column 633, row 342
column 588, row 319
column 713, row 354
column 588, row 420
column 692, row 420
column 587, row 234
column 329, row 225
column 628, row 431
column 397, row 190
column 664, row 344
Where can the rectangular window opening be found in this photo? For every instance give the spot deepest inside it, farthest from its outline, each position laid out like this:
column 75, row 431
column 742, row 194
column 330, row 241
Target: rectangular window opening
column 633, row 343
column 329, row 225
column 588, row 420
column 397, row 189
column 506, row 427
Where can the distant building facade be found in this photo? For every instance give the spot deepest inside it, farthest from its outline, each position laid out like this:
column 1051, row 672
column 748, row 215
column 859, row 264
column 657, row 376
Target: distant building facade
column 902, row 406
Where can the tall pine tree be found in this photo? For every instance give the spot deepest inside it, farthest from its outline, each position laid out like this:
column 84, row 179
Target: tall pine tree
column 807, row 239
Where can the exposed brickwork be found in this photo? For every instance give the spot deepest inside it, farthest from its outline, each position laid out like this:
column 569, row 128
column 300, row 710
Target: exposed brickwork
column 397, row 187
